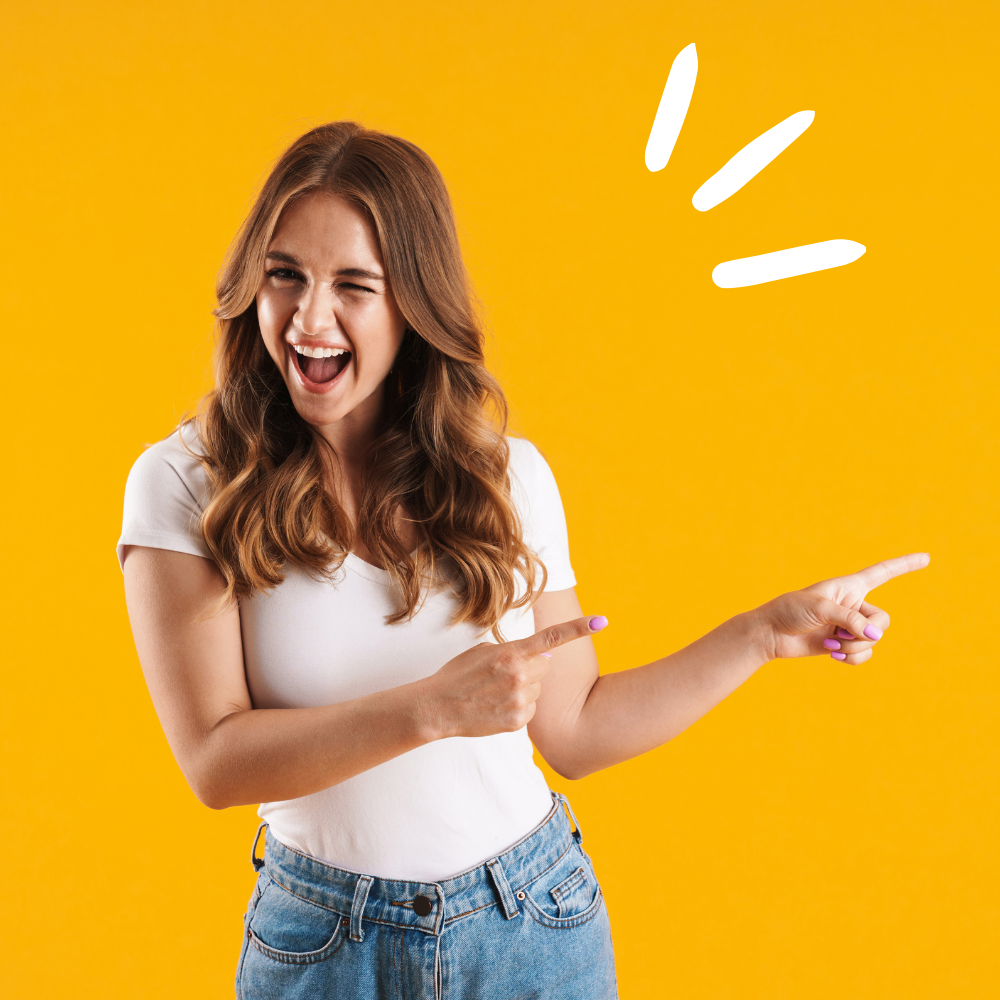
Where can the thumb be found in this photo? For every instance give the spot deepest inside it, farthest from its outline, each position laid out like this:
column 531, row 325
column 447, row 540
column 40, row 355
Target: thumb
column 831, row 613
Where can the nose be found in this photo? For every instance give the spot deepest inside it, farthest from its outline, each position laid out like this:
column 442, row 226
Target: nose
column 315, row 315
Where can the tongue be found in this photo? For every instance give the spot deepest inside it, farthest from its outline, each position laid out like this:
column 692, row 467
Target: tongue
column 322, row 369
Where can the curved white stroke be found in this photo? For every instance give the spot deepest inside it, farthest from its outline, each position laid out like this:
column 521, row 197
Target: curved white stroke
column 751, row 160
column 786, row 263
column 673, row 108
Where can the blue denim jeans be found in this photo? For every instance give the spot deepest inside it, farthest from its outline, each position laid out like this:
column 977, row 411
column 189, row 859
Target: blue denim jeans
column 530, row 923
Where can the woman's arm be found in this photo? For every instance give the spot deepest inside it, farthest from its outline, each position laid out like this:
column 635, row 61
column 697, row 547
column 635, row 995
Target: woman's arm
column 234, row 754
column 230, row 753
column 585, row 722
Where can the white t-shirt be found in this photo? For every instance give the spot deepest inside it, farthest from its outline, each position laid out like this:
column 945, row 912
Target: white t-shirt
column 427, row 814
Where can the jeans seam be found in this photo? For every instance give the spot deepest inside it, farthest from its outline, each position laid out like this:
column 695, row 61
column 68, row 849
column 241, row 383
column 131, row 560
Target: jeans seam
column 468, row 913
column 299, row 957
column 241, row 963
column 565, row 923
column 304, row 899
column 400, row 983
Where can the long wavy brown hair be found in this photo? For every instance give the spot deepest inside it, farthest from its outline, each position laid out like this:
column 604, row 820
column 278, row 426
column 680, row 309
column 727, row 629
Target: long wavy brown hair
column 440, row 457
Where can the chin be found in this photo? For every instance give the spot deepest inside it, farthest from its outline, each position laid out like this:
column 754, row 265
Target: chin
column 320, row 412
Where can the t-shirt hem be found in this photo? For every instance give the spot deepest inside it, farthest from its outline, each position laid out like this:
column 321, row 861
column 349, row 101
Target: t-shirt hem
column 161, row 540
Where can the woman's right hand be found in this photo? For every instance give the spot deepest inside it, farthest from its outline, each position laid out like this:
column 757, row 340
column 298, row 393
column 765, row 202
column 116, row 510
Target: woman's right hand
column 492, row 688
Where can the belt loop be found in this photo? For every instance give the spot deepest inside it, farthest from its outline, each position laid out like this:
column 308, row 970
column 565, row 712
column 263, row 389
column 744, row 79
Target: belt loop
column 257, row 863
column 358, row 906
column 507, row 899
column 439, row 923
column 577, row 832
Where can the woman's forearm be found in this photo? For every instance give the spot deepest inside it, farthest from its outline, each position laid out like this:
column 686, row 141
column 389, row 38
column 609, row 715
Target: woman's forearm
column 592, row 722
column 271, row 754
column 632, row 711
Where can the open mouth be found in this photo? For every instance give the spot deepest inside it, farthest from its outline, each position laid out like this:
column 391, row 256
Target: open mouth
column 319, row 365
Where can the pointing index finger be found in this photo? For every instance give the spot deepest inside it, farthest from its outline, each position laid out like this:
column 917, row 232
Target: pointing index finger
column 888, row 569
column 556, row 635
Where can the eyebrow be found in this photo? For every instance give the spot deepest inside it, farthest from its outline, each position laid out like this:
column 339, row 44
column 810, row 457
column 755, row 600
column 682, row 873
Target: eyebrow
column 344, row 272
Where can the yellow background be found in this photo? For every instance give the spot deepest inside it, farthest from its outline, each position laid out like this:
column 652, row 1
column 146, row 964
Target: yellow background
column 827, row 831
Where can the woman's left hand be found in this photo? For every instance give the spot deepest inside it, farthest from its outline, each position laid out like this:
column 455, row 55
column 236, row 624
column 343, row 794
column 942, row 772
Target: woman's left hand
column 833, row 616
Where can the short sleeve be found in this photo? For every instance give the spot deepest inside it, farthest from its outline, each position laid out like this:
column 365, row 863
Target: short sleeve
column 536, row 496
column 163, row 500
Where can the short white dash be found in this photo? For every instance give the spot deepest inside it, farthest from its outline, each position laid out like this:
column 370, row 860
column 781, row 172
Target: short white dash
column 673, row 108
column 786, row 263
column 751, row 160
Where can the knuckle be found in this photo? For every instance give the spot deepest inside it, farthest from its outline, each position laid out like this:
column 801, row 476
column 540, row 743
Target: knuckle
column 507, row 659
column 551, row 636
column 816, row 604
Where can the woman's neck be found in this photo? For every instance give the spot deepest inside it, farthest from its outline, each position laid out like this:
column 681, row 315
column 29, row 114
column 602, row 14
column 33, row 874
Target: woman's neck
column 351, row 437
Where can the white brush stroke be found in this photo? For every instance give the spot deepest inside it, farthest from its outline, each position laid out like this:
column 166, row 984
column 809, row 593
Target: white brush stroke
column 786, row 263
column 751, row 160
column 673, row 108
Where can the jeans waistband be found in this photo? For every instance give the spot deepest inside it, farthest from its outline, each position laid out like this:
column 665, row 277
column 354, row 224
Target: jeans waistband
column 423, row 906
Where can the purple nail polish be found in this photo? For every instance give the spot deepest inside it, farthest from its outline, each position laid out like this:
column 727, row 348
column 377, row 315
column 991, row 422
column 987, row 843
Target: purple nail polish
column 831, row 644
column 596, row 624
column 844, row 634
column 839, row 656
column 872, row 633
column 548, row 656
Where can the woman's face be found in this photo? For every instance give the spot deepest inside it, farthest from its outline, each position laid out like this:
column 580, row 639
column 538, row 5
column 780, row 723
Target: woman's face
column 326, row 312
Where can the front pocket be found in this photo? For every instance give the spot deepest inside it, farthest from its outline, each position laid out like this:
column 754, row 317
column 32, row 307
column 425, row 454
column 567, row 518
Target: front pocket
column 289, row 929
column 566, row 895
column 564, row 923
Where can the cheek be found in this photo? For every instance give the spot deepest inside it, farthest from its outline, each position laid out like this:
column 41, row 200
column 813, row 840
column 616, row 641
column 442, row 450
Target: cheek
column 379, row 343
column 271, row 316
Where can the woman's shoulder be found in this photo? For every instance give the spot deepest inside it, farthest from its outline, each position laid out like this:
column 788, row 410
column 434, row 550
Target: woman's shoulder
column 525, row 458
column 164, row 496
column 536, row 496
column 531, row 479
column 170, row 465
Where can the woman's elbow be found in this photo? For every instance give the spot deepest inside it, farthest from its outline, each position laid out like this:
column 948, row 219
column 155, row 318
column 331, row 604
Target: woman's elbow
column 208, row 768
column 209, row 786
column 569, row 767
column 210, row 793
column 217, row 803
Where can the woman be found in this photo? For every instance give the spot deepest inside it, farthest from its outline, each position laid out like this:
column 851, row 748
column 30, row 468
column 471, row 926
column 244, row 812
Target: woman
column 353, row 602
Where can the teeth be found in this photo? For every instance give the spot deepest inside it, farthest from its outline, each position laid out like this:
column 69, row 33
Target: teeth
column 318, row 352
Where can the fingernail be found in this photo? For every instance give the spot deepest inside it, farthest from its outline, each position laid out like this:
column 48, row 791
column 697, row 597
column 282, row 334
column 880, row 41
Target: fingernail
column 844, row 634
column 872, row 633
column 596, row 624
column 839, row 656
column 831, row 644
column 548, row 656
